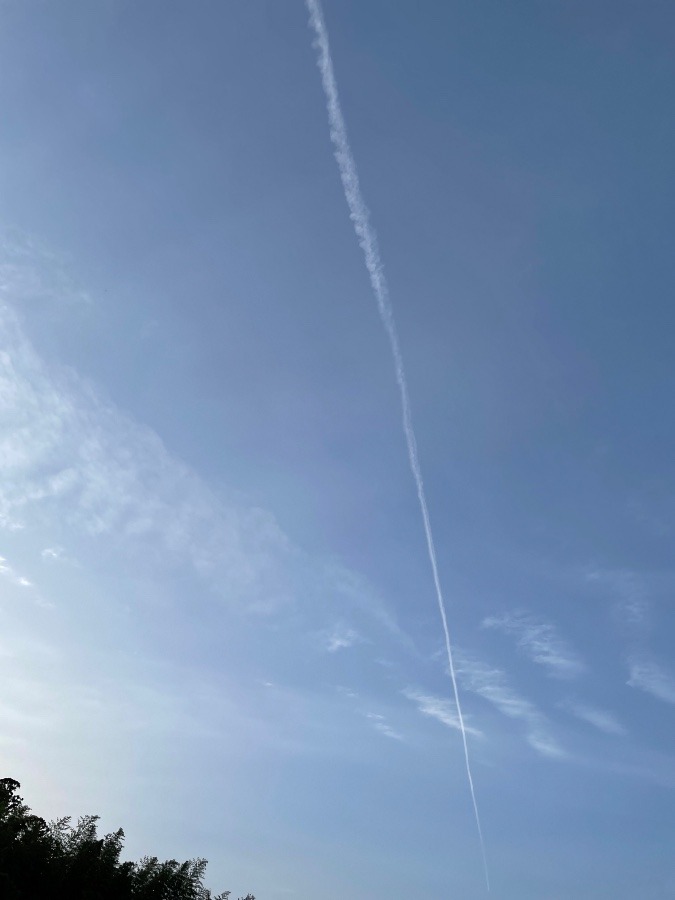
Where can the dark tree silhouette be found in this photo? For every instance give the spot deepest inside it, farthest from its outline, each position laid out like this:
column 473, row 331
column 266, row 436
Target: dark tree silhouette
column 60, row 861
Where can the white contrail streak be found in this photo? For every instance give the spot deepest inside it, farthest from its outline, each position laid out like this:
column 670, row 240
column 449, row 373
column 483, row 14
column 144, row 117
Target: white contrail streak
column 358, row 212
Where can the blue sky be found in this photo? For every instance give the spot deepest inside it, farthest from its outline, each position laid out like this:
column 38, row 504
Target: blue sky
column 218, row 626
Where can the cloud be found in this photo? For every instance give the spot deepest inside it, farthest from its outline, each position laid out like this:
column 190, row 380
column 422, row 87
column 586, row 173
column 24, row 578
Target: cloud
column 649, row 676
column 81, row 473
column 52, row 554
column 628, row 591
column 351, row 587
column 8, row 572
column 598, row 718
column 340, row 638
column 544, row 744
column 346, row 692
column 438, row 708
column 491, row 684
column 388, row 731
column 71, row 462
column 540, row 642
column 379, row 723
column 76, row 471
column 31, row 273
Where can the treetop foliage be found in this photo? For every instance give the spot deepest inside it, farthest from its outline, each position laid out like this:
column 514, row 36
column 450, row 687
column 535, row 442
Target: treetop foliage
column 64, row 861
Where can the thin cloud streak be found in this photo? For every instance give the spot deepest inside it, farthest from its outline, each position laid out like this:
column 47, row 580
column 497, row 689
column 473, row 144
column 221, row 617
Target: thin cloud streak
column 491, row 684
column 380, row 724
column 545, row 745
column 649, row 676
column 367, row 237
column 540, row 642
column 388, row 731
column 440, row 709
column 599, row 718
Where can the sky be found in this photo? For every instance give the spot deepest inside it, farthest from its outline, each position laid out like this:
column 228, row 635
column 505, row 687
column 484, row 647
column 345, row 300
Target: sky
column 218, row 624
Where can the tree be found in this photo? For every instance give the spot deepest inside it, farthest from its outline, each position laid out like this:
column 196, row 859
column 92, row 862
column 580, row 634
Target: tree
column 61, row 861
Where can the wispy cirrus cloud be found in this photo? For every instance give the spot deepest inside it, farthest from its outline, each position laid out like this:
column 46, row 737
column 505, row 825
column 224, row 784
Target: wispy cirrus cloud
column 341, row 638
column 349, row 693
column 32, row 273
column 77, row 468
column 648, row 675
column 352, row 588
column 540, row 642
column 388, row 731
column 628, row 591
column 380, row 724
column 541, row 741
column 71, row 460
column 599, row 718
column 11, row 575
column 492, row 685
column 444, row 711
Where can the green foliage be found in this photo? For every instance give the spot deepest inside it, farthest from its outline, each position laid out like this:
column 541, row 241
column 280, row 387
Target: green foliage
column 60, row 861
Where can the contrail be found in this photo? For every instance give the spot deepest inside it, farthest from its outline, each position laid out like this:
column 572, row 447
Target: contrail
column 358, row 213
